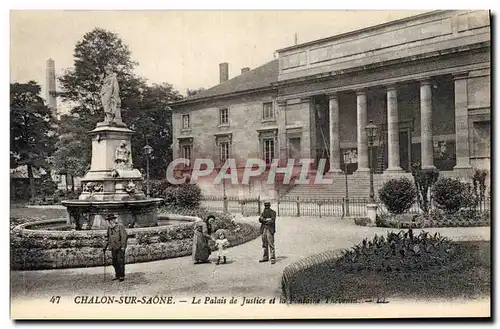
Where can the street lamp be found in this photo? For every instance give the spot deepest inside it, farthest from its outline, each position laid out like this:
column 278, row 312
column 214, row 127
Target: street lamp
column 224, row 198
column 371, row 132
column 347, row 160
column 147, row 150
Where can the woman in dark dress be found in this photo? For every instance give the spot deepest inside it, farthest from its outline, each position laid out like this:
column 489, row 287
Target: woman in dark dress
column 201, row 239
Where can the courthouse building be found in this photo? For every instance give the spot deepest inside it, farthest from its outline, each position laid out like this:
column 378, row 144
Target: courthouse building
column 423, row 80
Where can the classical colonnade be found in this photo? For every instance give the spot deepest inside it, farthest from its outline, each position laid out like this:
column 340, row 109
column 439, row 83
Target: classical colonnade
column 427, row 157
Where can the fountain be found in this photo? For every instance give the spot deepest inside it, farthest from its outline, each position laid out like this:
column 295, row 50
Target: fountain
column 111, row 185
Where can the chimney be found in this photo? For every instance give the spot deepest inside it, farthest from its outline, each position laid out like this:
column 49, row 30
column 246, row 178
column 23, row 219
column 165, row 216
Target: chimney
column 51, row 86
column 245, row 69
column 224, row 72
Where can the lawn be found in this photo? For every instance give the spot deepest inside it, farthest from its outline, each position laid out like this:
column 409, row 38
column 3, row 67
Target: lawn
column 467, row 275
column 36, row 213
column 20, row 214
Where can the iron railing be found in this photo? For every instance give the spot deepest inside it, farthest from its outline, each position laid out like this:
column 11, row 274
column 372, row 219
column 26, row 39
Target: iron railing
column 315, row 207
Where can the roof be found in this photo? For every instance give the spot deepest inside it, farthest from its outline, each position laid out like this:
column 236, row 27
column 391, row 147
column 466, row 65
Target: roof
column 21, row 172
column 258, row 78
column 359, row 31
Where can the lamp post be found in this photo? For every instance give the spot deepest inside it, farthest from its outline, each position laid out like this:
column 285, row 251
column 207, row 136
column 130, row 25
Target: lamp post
column 224, row 196
column 371, row 132
column 347, row 160
column 147, row 150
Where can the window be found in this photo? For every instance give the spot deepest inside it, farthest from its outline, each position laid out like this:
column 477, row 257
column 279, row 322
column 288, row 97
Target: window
column 294, row 147
column 268, row 149
column 267, row 111
column 223, row 152
column 224, row 116
column 186, row 151
column 185, row 121
column 482, row 141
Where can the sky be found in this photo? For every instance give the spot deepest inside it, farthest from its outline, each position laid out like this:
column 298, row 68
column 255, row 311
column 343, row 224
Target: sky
column 183, row 48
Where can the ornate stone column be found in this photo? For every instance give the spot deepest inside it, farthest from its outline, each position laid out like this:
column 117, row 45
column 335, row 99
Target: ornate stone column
column 361, row 133
column 334, row 134
column 461, row 123
column 393, row 131
column 426, row 124
column 281, row 121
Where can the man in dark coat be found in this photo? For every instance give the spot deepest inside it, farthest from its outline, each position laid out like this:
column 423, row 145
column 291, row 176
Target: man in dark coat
column 117, row 242
column 267, row 229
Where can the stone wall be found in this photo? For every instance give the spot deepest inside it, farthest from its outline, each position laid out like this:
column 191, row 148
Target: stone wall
column 245, row 118
column 388, row 42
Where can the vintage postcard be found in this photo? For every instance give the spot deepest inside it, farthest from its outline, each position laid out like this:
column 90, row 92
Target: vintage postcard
column 250, row 164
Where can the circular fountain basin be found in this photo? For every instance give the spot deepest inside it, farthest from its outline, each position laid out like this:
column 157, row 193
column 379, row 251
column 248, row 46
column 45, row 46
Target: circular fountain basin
column 84, row 214
column 48, row 244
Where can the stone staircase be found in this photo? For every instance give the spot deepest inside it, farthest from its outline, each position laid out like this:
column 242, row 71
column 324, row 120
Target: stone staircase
column 358, row 184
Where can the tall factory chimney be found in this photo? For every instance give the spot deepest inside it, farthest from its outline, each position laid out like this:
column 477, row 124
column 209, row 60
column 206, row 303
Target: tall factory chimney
column 50, row 95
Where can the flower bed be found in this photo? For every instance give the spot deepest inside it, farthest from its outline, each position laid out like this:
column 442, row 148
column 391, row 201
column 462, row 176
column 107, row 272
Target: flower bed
column 35, row 249
column 396, row 265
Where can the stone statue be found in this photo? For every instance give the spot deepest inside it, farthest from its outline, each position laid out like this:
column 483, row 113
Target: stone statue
column 110, row 97
column 122, row 157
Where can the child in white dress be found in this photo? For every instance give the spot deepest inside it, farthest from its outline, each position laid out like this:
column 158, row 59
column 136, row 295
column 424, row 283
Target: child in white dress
column 222, row 243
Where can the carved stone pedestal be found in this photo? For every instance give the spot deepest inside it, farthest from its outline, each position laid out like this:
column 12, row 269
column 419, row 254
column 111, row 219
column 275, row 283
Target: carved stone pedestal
column 112, row 185
column 111, row 175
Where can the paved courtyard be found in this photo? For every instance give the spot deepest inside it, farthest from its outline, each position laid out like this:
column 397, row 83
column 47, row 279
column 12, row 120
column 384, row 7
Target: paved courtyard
column 243, row 275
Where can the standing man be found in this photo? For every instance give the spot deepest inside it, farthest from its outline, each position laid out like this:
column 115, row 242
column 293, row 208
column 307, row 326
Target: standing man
column 267, row 229
column 117, row 242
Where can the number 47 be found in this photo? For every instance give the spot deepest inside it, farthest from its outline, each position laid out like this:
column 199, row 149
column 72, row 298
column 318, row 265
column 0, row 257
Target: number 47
column 55, row 299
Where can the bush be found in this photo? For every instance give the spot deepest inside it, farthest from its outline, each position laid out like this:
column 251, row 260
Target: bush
column 45, row 186
column 479, row 185
column 222, row 220
column 398, row 195
column 67, row 194
column 424, row 180
column 157, row 188
column 451, row 194
column 184, row 195
column 361, row 221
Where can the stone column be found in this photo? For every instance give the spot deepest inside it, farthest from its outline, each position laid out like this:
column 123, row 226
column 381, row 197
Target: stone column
column 282, row 140
column 361, row 133
column 334, row 134
column 393, row 131
column 426, row 125
column 461, row 123
column 312, row 129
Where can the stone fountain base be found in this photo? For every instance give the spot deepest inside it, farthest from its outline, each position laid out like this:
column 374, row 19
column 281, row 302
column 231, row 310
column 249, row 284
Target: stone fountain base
column 85, row 214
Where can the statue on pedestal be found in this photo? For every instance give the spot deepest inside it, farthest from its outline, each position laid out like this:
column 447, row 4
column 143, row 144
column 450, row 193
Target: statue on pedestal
column 122, row 157
column 110, row 97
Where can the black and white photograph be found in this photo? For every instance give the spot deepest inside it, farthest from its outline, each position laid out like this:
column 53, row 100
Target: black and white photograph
column 250, row 164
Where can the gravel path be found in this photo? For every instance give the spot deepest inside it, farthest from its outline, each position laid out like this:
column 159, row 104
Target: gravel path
column 242, row 276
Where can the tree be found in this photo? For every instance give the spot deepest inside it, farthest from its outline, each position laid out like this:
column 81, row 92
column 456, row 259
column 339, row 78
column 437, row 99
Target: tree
column 153, row 126
column 81, row 86
column 192, row 92
column 69, row 158
column 31, row 129
column 144, row 108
